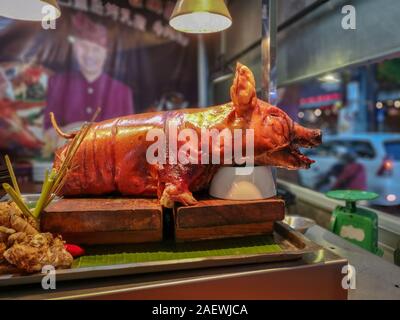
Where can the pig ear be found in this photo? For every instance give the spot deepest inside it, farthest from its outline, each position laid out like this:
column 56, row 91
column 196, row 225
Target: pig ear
column 243, row 90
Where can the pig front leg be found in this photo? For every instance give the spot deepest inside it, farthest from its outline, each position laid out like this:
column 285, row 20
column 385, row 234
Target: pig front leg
column 173, row 185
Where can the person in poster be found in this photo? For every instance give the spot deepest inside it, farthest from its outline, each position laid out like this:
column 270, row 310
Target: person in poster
column 75, row 95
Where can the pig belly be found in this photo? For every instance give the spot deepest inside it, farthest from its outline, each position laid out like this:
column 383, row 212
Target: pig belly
column 109, row 163
column 133, row 173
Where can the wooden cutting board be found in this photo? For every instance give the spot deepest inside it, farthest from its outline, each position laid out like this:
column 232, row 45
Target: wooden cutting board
column 104, row 221
column 215, row 218
column 124, row 220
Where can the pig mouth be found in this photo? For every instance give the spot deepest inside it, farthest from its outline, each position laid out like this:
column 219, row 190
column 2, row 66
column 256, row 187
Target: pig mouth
column 311, row 140
column 288, row 157
column 301, row 160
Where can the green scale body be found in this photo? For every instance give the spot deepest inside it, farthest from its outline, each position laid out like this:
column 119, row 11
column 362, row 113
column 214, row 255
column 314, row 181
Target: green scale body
column 357, row 225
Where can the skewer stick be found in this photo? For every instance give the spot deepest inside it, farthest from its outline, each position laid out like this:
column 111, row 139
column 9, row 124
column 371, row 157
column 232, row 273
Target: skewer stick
column 98, row 110
column 66, row 164
column 56, row 180
column 58, row 130
column 12, row 175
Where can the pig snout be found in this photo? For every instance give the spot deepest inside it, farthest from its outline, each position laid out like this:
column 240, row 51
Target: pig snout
column 304, row 137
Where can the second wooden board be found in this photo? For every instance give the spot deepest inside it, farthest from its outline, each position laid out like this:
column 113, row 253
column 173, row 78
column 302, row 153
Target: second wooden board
column 215, row 218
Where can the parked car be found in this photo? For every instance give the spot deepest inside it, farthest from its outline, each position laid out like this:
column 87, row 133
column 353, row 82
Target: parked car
column 378, row 152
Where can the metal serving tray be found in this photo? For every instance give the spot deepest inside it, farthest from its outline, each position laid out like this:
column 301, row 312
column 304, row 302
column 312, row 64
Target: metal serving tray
column 293, row 244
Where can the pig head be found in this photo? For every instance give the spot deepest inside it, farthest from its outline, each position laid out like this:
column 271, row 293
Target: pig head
column 277, row 138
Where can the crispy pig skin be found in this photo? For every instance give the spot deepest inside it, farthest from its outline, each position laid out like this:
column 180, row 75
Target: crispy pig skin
column 112, row 157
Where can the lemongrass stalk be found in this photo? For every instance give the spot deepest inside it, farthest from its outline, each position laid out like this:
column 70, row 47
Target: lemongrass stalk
column 56, row 191
column 46, row 176
column 17, row 199
column 12, row 175
column 45, row 195
column 47, row 186
column 42, row 193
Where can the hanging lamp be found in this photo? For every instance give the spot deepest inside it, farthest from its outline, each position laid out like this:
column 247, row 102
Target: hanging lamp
column 200, row 16
column 30, row 10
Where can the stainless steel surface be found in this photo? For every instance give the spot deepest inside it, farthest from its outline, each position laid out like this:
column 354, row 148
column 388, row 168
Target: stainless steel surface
column 375, row 277
column 268, row 51
column 318, row 44
column 293, row 245
column 300, row 224
column 269, row 31
column 316, row 276
column 245, row 30
column 315, row 205
column 29, row 198
column 202, row 71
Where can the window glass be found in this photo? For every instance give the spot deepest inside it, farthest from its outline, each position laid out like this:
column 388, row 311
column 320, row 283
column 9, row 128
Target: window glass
column 393, row 149
column 363, row 149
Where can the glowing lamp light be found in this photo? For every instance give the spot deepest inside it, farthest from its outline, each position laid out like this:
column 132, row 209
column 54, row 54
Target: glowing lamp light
column 30, row 10
column 330, row 78
column 318, row 112
column 391, row 197
column 200, row 16
column 388, row 165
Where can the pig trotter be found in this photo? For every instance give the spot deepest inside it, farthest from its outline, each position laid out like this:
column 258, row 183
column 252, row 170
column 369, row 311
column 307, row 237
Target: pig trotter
column 173, row 185
column 173, row 193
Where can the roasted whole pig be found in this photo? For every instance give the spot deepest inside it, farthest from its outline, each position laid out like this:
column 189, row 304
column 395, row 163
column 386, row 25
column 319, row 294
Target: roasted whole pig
column 112, row 157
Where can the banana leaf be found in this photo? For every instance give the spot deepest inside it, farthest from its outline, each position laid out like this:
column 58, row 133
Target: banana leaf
column 169, row 250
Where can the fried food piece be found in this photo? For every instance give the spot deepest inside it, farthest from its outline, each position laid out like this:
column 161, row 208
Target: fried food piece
column 15, row 211
column 12, row 217
column 17, row 237
column 30, row 253
column 4, row 237
column 6, row 268
column 21, row 225
column 6, row 230
column 5, row 233
column 3, row 248
column 5, row 214
column 22, row 247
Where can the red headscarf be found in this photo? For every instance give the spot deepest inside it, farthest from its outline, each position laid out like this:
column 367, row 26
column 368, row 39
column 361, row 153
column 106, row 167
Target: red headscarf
column 84, row 28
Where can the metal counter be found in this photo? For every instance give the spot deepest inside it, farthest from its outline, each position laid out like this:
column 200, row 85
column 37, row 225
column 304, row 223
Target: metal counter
column 315, row 276
column 375, row 278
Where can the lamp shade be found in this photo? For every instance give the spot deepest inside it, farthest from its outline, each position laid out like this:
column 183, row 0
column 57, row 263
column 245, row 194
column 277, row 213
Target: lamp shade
column 200, row 16
column 30, row 10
